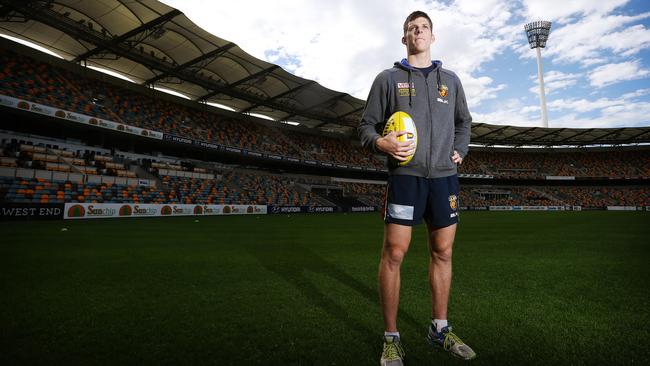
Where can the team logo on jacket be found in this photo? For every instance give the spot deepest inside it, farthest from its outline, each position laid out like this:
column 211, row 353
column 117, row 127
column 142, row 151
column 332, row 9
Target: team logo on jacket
column 442, row 90
column 403, row 89
column 453, row 202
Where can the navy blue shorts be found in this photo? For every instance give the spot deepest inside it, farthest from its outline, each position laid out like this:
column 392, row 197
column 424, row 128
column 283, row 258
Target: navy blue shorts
column 409, row 199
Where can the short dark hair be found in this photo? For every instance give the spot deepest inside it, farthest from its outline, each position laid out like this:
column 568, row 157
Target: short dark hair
column 414, row 15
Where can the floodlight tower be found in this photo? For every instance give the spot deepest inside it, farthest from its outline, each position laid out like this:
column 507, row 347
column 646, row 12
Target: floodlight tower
column 537, row 33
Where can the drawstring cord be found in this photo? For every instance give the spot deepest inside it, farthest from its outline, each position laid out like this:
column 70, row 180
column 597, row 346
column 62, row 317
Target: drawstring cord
column 410, row 78
column 409, row 86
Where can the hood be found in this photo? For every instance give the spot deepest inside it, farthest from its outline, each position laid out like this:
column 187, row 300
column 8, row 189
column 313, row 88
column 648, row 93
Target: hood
column 404, row 64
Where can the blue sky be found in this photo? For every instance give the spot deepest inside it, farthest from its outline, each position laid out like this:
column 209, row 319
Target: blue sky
column 596, row 64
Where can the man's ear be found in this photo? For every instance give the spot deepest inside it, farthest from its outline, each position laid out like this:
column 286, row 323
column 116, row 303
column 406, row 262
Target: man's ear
column 404, row 40
column 433, row 38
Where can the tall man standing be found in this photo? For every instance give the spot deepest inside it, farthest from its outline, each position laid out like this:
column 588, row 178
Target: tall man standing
column 427, row 186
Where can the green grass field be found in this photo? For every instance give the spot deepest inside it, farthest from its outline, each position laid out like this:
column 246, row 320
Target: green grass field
column 559, row 288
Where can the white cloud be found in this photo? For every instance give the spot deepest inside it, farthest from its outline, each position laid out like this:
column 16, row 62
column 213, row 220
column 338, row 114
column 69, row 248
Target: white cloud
column 477, row 8
column 531, row 109
column 591, row 61
column 591, row 39
column 616, row 114
column 512, row 112
column 628, row 110
column 636, row 93
column 555, row 76
column 581, row 105
column 555, row 81
column 343, row 44
column 629, row 41
column 563, row 10
column 629, row 115
column 615, row 73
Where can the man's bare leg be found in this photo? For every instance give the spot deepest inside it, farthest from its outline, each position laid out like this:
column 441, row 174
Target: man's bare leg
column 396, row 243
column 441, row 241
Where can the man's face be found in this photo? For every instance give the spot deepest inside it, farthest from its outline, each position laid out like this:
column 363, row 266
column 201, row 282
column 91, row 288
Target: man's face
column 418, row 37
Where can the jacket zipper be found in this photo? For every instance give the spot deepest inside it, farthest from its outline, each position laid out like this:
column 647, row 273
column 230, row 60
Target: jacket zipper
column 430, row 122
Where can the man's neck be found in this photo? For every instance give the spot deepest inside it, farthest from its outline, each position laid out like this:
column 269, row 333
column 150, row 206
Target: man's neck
column 420, row 60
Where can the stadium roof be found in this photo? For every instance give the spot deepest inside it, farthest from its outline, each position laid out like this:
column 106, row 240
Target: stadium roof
column 486, row 134
column 154, row 44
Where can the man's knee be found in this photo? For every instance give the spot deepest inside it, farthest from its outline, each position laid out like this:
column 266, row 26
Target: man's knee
column 397, row 239
column 441, row 242
column 393, row 254
column 442, row 255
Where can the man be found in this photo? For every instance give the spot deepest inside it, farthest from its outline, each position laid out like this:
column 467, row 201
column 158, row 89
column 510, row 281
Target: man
column 427, row 186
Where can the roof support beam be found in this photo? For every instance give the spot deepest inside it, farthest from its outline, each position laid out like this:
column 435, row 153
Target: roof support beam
column 595, row 141
column 340, row 118
column 352, row 112
column 576, row 135
column 521, row 132
column 284, row 94
column 554, row 132
column 629, row 141
column 241, row 81
column 133, row 32
column 491, row 132
column 330, row 100
column 212, row 54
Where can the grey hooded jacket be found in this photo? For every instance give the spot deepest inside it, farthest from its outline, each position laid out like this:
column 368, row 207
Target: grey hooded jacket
column 439, row 110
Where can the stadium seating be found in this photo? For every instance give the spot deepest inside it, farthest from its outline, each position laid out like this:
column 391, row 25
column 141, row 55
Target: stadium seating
column 585, row 196
column 236, row 187
column 37, row 190
column 368, row 193
column 538, row 165
column 41, row 157
column 26, row 78
column 254, row 187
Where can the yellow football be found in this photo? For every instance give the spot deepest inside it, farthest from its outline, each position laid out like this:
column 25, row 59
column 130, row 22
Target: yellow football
column 401, row 121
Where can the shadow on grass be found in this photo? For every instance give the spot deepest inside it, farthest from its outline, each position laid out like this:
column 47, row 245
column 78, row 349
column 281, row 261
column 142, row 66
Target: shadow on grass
column 292, row 261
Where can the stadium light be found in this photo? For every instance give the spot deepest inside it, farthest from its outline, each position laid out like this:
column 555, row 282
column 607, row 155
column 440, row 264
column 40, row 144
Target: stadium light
column 537, row 33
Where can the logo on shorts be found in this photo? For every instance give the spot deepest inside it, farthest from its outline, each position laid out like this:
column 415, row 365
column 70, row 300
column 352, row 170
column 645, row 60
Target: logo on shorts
column 453, row 202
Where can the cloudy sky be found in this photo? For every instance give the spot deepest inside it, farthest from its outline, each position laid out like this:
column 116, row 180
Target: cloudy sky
column 596, row 63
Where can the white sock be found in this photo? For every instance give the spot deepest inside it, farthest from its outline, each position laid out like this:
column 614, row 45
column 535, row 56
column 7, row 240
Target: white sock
column 391, row 334
column 439, row 324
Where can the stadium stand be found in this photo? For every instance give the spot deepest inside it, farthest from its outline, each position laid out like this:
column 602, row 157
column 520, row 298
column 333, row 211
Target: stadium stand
column 26, row 78
column 371, row 194
column 184, row 182
column 39, row 190
column 35, row 81
column 218, row 186
column 588, row 196
column 594, row 164
column 101, row 175
column 235, row 187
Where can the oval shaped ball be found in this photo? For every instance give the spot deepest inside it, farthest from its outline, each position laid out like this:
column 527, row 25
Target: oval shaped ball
column 401, row 121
